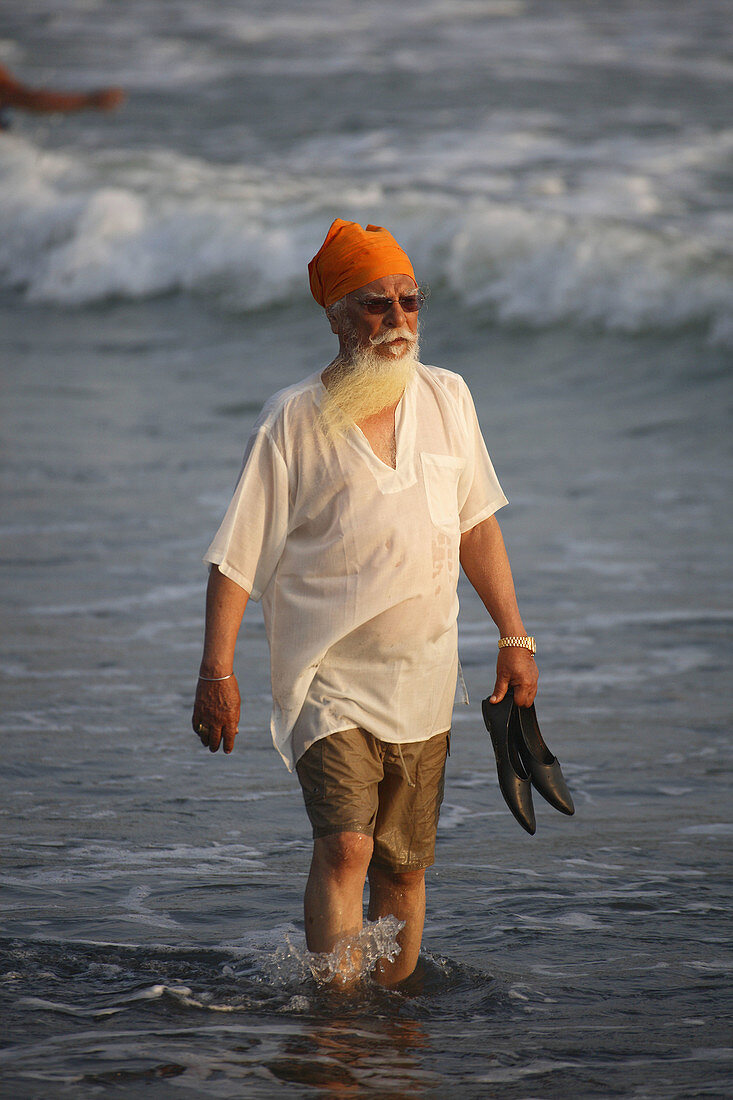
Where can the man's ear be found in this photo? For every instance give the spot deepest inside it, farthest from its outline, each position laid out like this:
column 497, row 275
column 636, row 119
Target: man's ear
column 332, row 316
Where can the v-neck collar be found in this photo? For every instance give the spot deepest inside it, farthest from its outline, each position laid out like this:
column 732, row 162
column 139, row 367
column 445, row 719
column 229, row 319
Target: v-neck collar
column 403, row 474
column 393, row 479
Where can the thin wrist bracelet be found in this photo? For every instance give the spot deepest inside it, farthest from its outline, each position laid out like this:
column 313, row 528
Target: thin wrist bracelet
column 215, row 679
column 520, row 643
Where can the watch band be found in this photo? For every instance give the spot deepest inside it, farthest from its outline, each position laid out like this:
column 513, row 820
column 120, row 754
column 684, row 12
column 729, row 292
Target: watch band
column 520, row 643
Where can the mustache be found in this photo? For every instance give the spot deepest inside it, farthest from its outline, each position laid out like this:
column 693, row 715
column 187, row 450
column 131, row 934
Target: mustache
column 402, row 333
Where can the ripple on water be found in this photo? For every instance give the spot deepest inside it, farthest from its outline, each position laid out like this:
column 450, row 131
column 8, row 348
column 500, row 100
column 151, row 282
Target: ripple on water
column 95, row 980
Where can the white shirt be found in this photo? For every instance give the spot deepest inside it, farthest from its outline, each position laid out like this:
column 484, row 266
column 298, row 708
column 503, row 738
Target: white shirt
column 357, row 563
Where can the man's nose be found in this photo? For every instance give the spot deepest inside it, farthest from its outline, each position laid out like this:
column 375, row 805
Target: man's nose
column 395, row 317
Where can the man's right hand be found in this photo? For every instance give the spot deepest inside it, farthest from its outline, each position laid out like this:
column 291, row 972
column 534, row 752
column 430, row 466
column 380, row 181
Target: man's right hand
column 216, row 713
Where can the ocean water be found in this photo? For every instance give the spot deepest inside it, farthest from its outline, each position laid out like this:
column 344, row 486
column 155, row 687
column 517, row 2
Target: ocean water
column 561, row 174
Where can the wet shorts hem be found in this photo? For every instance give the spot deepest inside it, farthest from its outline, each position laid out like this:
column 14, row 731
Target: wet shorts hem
column 320, row 831
column 354, row 782
column 415, row 865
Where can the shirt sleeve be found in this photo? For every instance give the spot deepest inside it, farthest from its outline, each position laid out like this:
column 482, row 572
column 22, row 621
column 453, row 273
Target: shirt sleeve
column 250, row 541
column 479, row 493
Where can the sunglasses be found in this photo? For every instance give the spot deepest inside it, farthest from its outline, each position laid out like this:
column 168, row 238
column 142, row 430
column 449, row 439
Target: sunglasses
column 409, row 303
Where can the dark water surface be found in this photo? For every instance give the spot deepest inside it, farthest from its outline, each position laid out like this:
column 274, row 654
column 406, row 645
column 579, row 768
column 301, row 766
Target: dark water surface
column 148, row 887
column 561, row 173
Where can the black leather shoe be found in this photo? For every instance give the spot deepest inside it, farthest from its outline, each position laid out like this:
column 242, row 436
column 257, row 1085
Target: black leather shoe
column 502, row 722
column 539, row 762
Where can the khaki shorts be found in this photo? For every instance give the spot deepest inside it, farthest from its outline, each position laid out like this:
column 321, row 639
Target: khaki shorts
column 353, row 782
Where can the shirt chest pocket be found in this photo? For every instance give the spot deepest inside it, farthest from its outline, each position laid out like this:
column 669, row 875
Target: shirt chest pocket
column 440, row 475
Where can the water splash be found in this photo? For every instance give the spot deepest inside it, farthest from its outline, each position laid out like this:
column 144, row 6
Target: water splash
column 352, row 959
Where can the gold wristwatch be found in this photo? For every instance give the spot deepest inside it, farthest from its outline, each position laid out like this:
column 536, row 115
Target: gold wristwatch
column 520, row 643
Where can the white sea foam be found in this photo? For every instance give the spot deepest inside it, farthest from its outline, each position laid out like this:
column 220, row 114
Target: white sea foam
column 454, row 816
column 714, row 829
column 580, row 922
column 163, row 594
column 538, row 1067
column 98, row 862
column 712, row 966
column 137, row 910
column 521, row 225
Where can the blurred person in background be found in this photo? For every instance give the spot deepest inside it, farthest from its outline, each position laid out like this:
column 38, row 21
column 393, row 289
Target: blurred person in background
column 15, row 95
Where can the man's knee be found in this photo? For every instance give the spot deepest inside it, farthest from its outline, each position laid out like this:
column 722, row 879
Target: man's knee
column 400, row 881
column 343, row 854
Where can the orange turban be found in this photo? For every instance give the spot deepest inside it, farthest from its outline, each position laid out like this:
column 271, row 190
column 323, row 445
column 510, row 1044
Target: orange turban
column 351, row 257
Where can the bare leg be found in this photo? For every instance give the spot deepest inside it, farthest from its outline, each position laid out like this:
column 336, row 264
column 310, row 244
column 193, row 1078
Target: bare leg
column 403, row 896
column 335, row 890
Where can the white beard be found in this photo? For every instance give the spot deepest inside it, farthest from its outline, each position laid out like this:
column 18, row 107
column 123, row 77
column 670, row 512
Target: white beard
column 365, row 383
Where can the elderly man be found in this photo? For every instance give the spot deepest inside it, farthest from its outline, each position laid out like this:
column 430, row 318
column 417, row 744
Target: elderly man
column 362, row 488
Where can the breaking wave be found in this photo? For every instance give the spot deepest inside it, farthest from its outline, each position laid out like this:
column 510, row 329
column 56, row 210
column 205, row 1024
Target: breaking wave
column 604, row 252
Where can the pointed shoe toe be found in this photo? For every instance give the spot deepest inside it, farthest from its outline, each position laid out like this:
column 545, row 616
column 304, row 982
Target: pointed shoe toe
column 540, row 763
column 502, row 722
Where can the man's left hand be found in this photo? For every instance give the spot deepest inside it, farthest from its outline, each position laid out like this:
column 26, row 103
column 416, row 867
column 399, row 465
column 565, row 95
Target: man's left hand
column 516, row 667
